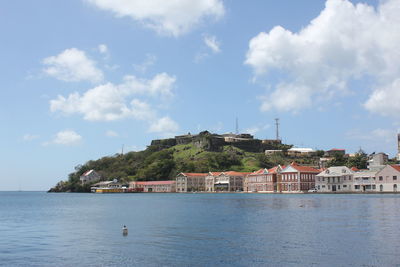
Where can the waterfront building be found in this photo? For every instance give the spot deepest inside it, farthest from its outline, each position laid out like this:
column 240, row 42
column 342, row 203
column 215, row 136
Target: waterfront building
column 365, row 180
column 263, row 180
column 190, row 182
column 153, row 186
column 335, row 179
column 387, row 179
column 109, row 187
column 296, row 178
column 230, row 181
column 210, row 181
column 89, row 176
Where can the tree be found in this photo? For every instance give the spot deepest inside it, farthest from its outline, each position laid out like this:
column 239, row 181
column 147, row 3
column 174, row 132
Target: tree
column 360, row 160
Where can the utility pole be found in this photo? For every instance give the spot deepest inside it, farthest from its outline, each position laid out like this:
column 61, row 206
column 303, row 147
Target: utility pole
column 122, row 150
column 277, row 128
column 237, row 126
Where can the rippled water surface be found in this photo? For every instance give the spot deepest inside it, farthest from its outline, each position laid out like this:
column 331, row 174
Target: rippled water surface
column 40, row 229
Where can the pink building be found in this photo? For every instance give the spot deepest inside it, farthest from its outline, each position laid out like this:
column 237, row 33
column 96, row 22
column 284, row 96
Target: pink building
column 296, row 178
column 388, row 179
column 263, row 180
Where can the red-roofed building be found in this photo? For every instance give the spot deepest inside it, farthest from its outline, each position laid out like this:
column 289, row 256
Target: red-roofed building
column 229, row 181
column 388, row 179
column 297, row 178
column 153, row 186
column 89, row 176
column 263, row 180
column 190, row 182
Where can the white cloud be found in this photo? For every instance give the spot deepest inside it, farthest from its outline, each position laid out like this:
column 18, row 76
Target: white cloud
column 164, row 126
column 103, row 49
column 111, row 133
column 109, row 102
column 345, row 42
column 30, row 137
column 212, row 43
column 386, row 100
column 148, row 62
column 166, row 17
column 66, row 138
column 72, row 65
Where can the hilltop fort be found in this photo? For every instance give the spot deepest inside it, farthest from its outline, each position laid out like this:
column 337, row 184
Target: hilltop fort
column 215, row 142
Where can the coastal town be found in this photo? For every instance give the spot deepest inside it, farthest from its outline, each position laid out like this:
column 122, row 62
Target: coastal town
column 380, row 176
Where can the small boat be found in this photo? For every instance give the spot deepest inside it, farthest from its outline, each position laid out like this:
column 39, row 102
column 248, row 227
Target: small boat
column 124, row 230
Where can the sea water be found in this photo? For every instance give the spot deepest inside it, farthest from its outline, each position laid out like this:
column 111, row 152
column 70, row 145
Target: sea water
column 67, row 229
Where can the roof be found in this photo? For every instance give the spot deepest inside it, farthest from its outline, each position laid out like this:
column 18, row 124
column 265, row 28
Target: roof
column 336, row 171
column 396, row 167
column 233, row 173
column 260, row 171
column 155, row 182
column 364, row 173
column 215, row 173
column 275, row 169
column 302, row 149
column 303, row 168
column 355, row 169
column 87, row 173
column 337, row 149
column 193, row 174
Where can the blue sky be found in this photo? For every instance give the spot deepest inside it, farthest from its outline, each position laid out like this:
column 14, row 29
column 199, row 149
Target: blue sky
column 82, row 78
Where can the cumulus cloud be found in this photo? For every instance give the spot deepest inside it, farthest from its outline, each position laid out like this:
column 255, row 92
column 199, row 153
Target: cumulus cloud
column 385, row 100
column 66, row 138
column 166, row 17
column 164, row 126
column 103, row 49
column 109, row 102
column 212, row 43
column 72, row 65
column 344, row 43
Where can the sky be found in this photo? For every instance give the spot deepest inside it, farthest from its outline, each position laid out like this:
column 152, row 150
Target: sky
column 82, row 79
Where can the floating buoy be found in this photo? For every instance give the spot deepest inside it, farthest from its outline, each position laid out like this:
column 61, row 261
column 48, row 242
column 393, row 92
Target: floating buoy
column 124, row 230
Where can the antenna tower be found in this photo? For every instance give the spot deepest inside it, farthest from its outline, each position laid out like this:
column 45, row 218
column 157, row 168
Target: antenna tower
column 277, row 128
column 237, row 126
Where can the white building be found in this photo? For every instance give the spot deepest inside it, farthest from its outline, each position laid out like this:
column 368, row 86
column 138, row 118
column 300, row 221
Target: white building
column 335, row 179
column 364, row 180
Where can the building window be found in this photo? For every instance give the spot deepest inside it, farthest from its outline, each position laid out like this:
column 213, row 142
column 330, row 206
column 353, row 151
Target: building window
column 323, row 186
column 338, row 187
column 381, row 188
column 344, row 186
column 380, row 178
column 356, row 187
column 394, row 178
column 395, row 187
column 373, row 186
